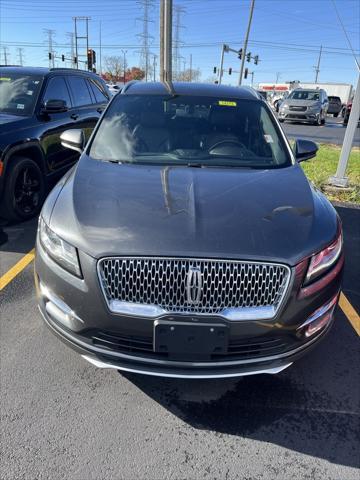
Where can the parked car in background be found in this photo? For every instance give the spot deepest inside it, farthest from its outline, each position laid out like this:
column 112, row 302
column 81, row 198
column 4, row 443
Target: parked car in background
column 277, row 103
column 306, row 106
column 187, row 242
column 347, row 114
column 36, row 106
column 263, row 94
column 335, row 106
column 113, row 89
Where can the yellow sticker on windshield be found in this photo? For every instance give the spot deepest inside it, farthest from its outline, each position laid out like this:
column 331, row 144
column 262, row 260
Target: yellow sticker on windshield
column 5, row 79
column 227, row 103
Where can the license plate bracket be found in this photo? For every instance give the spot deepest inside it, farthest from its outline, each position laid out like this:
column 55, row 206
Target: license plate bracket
column 185, row 339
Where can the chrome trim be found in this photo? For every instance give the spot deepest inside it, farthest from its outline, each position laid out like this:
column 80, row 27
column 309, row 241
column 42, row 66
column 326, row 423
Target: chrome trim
column 169, row 363
column 60, row 304
column 232, row 314
column 100, row 364
column 320, row 312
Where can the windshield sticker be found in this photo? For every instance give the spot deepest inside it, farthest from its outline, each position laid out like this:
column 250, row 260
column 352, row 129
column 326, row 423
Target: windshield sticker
column 29, row 92
column 20, row 106
column 268, row 139
column 227, row 103
column 5, row 79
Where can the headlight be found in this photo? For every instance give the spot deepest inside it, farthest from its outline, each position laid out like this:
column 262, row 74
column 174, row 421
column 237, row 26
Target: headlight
column 60, row 251
column 325, row 259
column 315, row 106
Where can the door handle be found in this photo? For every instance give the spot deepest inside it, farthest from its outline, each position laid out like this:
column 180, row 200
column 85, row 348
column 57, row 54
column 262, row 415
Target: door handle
column 74, row 116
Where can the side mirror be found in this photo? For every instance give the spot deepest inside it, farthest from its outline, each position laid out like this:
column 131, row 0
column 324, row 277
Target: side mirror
column 304, row 150
column 54, row 106
column 73, row 139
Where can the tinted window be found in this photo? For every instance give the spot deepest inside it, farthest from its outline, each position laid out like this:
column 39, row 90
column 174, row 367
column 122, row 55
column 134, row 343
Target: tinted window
column 18, row 93
column 98, row 92
column 80, row 91
column 183, row 129
column 304, row 95
column 56, row 89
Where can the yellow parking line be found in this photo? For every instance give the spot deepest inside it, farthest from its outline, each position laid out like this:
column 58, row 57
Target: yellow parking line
column 350, row 313
column 16, row 269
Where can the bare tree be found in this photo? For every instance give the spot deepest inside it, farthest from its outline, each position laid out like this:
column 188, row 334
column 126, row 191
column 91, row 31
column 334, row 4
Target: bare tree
column 188, row 75
column 114, row 67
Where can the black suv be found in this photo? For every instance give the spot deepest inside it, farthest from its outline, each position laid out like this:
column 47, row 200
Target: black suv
column 36, row 106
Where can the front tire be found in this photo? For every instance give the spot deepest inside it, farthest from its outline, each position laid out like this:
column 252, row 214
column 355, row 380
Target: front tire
column 24, row 190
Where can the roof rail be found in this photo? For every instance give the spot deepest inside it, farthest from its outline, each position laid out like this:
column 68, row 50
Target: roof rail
column 127, row 86
column 10, row 66
column 69, row 69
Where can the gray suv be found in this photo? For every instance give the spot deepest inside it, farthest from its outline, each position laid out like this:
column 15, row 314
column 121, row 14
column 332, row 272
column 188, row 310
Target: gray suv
column 306, row 106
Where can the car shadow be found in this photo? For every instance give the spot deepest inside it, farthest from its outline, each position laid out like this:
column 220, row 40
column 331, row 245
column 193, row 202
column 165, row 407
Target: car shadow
column 301, row 409
column 18, row 237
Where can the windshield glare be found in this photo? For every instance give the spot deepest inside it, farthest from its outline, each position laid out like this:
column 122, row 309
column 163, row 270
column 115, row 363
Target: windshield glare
column 304, row 95
column 18, row 93
column 206, row 131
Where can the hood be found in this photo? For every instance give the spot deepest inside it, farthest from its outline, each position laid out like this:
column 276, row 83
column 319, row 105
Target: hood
column 110, row 209
column 9, row 121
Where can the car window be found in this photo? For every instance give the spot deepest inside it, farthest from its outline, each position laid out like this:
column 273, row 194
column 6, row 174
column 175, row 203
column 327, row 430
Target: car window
column 18, row 92
column 304, row 95
column 56, row 89
column 80, row 91
column 180, row 129
column 98, row 92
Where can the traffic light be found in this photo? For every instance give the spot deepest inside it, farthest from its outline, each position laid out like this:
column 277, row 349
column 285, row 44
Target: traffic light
column 91, row 59
column 230, row 71
column 256, row 59
column 248, row 57
column 240, row 52
column 63, row 58
column 75, row 60
column 214, row 70
column 246, row 72
column 94, row 56
column 50, row 56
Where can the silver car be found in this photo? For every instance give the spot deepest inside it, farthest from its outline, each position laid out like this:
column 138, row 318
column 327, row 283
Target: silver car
column 306, row 106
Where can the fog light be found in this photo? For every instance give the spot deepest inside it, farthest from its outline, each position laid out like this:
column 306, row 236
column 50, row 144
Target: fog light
column 320, row 318
column 58, row 310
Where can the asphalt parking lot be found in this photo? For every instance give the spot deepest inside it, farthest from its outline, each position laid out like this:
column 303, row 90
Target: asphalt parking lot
column 63, row 418
column 332, row 132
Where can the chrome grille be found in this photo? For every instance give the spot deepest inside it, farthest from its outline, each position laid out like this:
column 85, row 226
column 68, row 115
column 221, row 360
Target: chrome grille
column 163, row 282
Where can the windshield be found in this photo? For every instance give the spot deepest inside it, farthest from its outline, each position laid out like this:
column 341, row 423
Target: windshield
column 18, row 93
column 201, row 131
column 304, row 95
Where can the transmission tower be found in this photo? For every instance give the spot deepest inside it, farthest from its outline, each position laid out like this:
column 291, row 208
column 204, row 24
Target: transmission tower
column 50, row 34
column 70, row 36
column 5, row 54
column 179, row 11
column 21, row 57
column 145, row 37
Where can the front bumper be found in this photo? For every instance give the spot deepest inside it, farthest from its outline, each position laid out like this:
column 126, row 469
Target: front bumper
column 292, row 115
column 277, row 341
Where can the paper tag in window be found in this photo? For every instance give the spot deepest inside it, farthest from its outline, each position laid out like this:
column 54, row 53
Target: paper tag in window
column 227, row 103
column 20, row 106
column 5, row 79
column 268, row 139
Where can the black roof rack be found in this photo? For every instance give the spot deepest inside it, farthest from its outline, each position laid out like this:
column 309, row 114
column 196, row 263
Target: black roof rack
column 71, row 69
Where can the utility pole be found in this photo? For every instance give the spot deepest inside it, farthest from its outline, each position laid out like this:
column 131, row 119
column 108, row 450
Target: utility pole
column 154, row 67
column 100, row 48
column 339, row 179
column 5, row 50
column 70, row 35
column 246, row 41
column 50, row 33
column 166, row 41
column 278, row 75
column 20, row 53
column 224, row 49
column 190, row 68
column 252, row 78
column 317, row 68
column 124, row 52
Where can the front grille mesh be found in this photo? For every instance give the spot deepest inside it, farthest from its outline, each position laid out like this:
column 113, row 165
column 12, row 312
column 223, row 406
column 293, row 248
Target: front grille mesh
column 162, row 282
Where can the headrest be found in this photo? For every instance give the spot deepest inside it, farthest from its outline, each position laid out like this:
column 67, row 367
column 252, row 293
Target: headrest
column 223, row 116
column 152, row 119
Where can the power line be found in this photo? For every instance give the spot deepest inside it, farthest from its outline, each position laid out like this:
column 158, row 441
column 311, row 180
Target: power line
column 345, row 32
